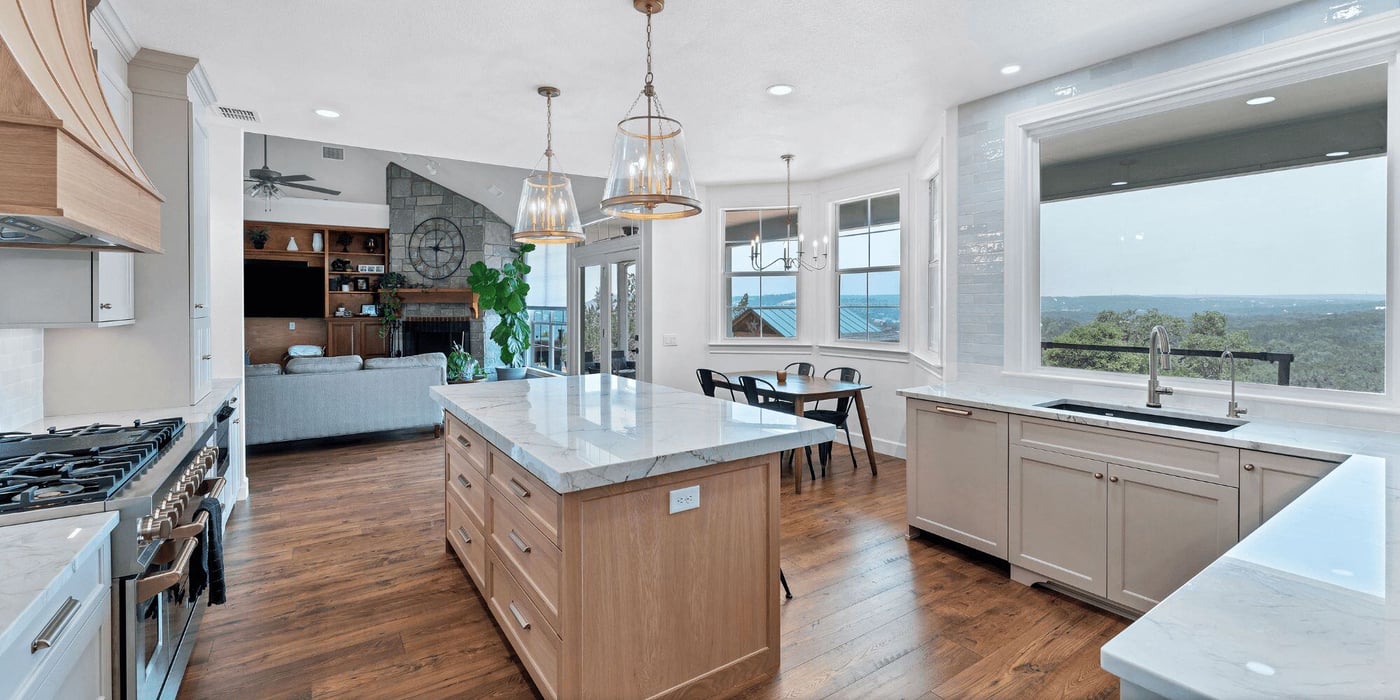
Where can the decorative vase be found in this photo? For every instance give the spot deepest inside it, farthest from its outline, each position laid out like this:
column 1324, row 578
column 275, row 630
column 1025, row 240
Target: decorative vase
column 504, row 373
column 292, row 243
column 317, row 243
column 258, row 245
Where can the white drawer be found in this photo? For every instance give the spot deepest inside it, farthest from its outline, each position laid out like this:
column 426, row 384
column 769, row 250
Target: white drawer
column 1193, row 460
column 87, row 583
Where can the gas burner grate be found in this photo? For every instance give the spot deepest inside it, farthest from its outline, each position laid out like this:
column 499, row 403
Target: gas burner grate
column 78, row 465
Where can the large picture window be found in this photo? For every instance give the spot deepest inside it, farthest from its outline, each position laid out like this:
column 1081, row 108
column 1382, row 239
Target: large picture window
column 760, row 303
column 868, row 251
column 1250, row 224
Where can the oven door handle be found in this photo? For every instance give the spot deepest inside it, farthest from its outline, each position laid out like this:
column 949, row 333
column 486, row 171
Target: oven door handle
column 153, row 584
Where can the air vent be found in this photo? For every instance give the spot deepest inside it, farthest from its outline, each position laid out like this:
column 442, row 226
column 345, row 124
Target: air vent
column 333, row 153
column 235, row 113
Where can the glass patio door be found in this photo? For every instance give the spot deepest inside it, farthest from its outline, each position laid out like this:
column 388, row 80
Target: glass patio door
column 606, row 304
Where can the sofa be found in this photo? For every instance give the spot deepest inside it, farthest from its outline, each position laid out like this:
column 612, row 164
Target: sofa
column 320, row 397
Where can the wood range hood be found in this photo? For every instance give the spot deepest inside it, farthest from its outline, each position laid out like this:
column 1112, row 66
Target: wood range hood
column 67, row 176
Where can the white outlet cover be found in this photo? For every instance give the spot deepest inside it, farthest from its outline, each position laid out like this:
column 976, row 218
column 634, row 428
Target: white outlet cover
column 685, row 499
column 291, row 325
column 668, row 339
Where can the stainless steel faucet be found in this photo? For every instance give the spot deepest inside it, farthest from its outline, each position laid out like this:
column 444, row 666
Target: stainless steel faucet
column 1159, row 356
column 1234, row 410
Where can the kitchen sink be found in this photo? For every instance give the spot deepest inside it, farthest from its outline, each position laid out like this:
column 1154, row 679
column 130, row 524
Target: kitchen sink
column 1146, row 415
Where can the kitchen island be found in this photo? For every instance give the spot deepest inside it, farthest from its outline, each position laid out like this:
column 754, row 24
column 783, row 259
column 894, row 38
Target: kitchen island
column 623, row 534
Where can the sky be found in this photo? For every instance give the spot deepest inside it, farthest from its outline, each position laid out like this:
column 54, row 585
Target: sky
column 1317, row 230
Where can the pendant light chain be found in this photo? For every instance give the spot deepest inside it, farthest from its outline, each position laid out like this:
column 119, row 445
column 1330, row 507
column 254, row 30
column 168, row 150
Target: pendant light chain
column 649, row 89
column 549, row 134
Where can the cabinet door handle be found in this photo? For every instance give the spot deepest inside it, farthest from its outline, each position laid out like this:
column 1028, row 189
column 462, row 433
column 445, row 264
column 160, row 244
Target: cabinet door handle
column 1098, row 475
column 519, row 543
column 104, row 306
column 463, row 480
column 952, row 411
column 1114, row 479
column 198, row 306
column 465, row 442
column 206, row 357
column 1249, row 467
column 55, row 627
column 238, row 420
column 519, row 490
column 462, row 532
column 519, row 619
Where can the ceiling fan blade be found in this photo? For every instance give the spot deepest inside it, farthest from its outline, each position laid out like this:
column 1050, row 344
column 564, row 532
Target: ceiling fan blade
column 294, row 178
column 322, row 190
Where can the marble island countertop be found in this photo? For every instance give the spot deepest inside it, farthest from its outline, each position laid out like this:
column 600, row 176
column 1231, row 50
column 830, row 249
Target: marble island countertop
column 1308, row 605
column 34, row 556
column 582, row 432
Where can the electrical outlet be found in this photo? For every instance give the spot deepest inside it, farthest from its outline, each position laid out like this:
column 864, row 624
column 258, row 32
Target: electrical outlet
column 291, row 325
column 668, row 339
column 685, row 499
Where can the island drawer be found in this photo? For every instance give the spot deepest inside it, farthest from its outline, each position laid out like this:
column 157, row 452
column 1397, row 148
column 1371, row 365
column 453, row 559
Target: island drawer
column 469, row 484
column 534, row 641
column 1193, row 460
column 537, row 501
column 532, row 559
column 465, row 537
column 466, row 441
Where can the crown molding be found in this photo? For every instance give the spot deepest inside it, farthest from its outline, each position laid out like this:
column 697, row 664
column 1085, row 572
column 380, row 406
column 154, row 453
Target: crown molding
column 105, row 18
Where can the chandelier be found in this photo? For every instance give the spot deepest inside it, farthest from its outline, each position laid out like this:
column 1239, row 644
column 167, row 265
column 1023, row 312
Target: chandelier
column 650, row 175
column 547, row 212
column 801, row 261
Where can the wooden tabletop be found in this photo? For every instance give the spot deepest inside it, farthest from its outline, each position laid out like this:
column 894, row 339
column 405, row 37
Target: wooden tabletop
column 796, row 386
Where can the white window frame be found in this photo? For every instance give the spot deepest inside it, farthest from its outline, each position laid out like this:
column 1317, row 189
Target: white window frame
column 834, row 226
column 934, row 274
column 1356, row 45
column 725, row 274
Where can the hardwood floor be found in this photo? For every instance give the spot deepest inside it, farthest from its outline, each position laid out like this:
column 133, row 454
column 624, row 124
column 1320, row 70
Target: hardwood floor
column 340, row 586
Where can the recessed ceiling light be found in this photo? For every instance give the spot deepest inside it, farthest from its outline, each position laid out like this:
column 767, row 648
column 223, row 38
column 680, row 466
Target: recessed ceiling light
column 780, row 89
column 1262, row 100
column 328, row 113
column 1337, row 154
column 1119, row 183
column 1010, row 70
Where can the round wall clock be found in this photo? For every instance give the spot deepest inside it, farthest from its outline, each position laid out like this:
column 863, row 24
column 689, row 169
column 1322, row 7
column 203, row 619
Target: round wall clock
column 436, row 248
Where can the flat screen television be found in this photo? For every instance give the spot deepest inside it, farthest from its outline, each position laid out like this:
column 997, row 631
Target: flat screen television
column 283, row 288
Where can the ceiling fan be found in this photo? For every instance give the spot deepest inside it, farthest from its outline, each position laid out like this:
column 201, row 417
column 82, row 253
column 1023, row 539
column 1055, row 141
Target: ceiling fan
column 267, row 183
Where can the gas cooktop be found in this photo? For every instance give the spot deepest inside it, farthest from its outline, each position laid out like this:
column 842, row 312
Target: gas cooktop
column 78, row 465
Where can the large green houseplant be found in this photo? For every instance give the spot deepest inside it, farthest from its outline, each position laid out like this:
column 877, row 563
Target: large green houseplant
column 504, row 292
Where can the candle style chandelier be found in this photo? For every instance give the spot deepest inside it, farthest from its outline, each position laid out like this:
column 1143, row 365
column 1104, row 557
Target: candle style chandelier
column 547, row 212
column 817, row 261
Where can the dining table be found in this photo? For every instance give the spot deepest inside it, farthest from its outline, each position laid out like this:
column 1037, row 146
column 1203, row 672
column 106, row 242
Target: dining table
column 803, row 392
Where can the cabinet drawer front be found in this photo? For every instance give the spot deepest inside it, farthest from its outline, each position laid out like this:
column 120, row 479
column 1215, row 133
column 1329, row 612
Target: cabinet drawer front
column 957, row 474
column 466, row 538
column 468, row 482
column 533, row 560
column 526, row 492
column 468, row 443
column 66, row 604
column 1057, row 526
column 1193, row 460
column 534, row 642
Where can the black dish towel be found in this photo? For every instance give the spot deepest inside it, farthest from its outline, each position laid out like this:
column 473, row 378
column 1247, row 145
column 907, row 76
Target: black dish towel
column 207, row 564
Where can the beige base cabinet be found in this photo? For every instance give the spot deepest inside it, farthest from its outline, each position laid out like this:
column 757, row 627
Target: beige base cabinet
column 1162, row 530
column 1058, row 525
column 1268, row 482
column 957, row 474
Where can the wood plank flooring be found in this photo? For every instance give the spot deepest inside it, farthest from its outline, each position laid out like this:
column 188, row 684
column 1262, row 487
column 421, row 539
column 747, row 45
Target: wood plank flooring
column 340, row 586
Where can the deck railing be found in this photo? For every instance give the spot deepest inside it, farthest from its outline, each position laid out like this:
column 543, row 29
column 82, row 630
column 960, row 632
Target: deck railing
column 1284, row 360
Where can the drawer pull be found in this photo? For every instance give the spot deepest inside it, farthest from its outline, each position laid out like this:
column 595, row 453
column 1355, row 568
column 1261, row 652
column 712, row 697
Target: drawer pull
column 1249, row 467
column 57, row 624
column 519, row 490
column 519, row 619
column 206, row 357
column 104, row 306
column 952, row 411
column 1098, row 475
column 1114, row 479
column 465, row 442
column 463, row 480
column 198, row 306
column 462, row 532
column 519, row 543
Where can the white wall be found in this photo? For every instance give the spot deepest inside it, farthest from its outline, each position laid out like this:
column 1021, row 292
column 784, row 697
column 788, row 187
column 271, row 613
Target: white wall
column 21, row 378
column 226, row 247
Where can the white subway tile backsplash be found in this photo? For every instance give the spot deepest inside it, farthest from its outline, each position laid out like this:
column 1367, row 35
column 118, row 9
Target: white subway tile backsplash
column 21, row 378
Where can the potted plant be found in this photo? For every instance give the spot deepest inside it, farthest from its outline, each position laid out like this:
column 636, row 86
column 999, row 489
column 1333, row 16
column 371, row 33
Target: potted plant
column 390, row 304
column 258, row 236
column 461, row 367
column 504, row 292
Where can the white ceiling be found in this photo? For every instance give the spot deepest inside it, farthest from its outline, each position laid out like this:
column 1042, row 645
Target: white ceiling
column 456, row 78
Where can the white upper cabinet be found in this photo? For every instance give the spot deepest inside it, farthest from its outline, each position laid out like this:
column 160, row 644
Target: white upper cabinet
column 66, row 289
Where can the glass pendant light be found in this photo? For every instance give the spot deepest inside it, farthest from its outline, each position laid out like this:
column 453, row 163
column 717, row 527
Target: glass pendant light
column 547, row 211
column 650, row 175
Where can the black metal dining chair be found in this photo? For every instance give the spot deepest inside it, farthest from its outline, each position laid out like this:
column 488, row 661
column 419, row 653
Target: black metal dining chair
column 707, row 382
column 805, row 369
column 751, row 386
column 838, row 416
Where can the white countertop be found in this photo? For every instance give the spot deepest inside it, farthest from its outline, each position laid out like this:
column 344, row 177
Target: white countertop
column 223, row 388
column 34, row 556
column 581, row 432
column 1308, row 605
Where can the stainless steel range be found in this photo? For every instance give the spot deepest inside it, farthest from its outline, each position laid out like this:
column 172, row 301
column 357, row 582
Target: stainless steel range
column 154, row 473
